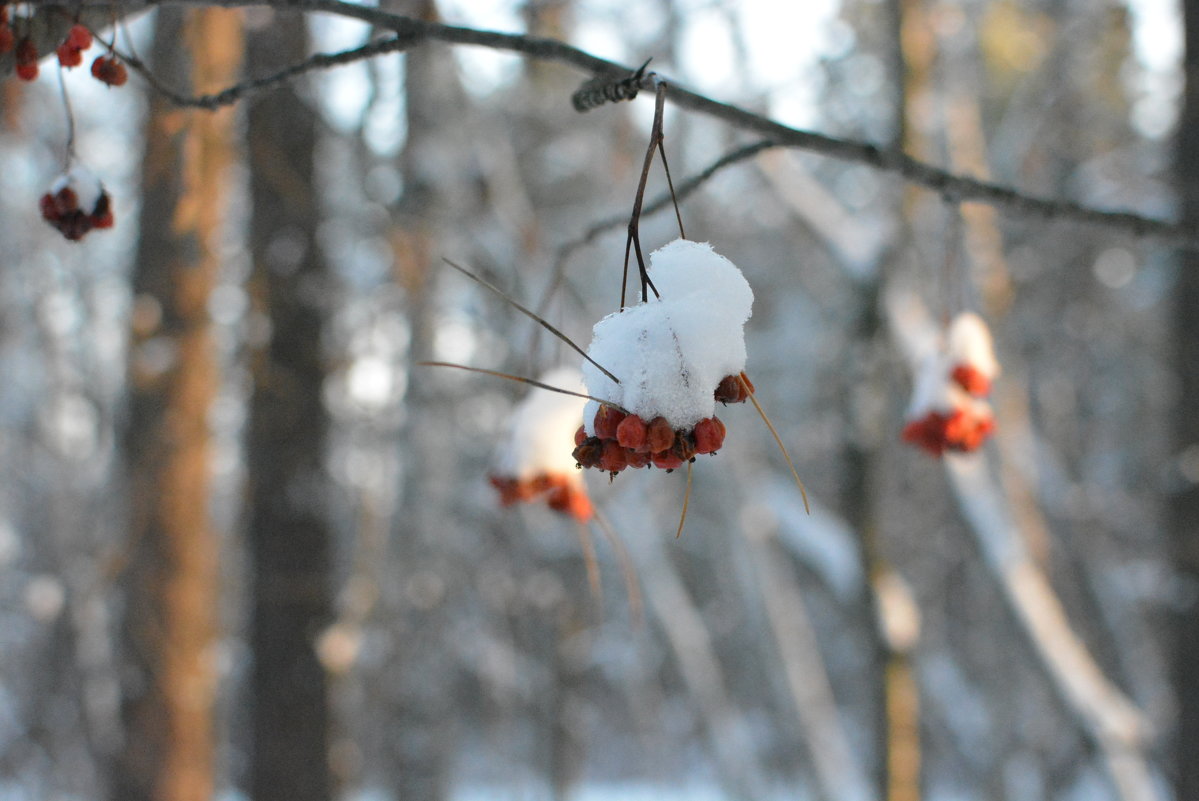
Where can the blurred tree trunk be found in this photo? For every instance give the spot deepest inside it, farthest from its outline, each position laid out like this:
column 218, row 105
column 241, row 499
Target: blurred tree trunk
column 1184, row 523
column 289, row 532
column 173, row 578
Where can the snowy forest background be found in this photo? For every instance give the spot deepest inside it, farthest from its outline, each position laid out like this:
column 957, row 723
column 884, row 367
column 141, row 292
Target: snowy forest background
column 248, row 549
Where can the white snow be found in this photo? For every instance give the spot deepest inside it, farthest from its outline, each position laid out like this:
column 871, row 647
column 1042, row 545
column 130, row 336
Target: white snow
column 970, row 343
column 542, row 428
column 671, row 351
column 967, row 341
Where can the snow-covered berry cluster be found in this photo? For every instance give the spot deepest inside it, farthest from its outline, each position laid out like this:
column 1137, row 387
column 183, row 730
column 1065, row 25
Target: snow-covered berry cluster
column 534, row 463
column 675, row 356
column 949, row 411
column 76, row 203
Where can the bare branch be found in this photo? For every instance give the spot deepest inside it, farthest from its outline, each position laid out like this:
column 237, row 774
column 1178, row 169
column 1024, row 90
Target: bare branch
column 960, row 188
column 239, row 91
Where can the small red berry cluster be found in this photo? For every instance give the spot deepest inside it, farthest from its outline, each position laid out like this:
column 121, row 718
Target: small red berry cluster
column 561, row 493
column 965, row 427
column 105, row 68
column 626, row 440
column 60, row 207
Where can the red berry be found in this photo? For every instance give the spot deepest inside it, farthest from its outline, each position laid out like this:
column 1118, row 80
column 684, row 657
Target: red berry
column 589, row 452
column 709, row 435
column 667, row 461
column 6, row 38
column 631, row 433
column 26, row 59
column 659, row 436
column 69, row 56
column 638, row 459
column 78, row 38
column 613, row 459
column 606, row 421
column 970, row 379
column 109, row 71
column 580, row 436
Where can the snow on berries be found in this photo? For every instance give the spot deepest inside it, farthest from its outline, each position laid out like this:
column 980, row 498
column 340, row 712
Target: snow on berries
column 534, row 462
column 676, row 355
column 76, row 203
column 949, row 411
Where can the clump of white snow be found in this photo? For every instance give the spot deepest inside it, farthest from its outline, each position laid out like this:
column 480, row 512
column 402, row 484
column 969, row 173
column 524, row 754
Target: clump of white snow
column 672, row 351
column 969, row 343
column 542, row 428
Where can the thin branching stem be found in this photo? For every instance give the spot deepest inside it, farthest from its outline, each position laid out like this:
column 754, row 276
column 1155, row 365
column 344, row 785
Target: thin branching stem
column 533, row 315
column 521, row 379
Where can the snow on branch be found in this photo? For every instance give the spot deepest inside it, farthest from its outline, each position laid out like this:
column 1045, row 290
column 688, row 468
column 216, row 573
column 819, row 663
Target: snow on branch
column 954, row 187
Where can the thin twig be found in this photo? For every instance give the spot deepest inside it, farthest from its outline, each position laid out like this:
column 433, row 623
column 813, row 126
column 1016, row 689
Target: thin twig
column 686, row 501
column 524, row 380
column 634, row 235
column 591, row 563
column 538, row 318
column 69, row 157
column 749, row 391
column 627, row 569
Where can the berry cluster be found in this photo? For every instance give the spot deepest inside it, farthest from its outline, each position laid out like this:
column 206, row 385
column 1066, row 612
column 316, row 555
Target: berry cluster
column 105, row 68
column 70, row 52
column 77, row 203
column 950, row 411
column 563, row 494
column 963, row 429
column 626, row 440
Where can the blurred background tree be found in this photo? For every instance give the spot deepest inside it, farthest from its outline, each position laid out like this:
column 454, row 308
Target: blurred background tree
column 247, row 547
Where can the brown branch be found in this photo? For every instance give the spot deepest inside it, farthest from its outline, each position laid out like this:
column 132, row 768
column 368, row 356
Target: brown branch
column 959, row 188
column 239, row 91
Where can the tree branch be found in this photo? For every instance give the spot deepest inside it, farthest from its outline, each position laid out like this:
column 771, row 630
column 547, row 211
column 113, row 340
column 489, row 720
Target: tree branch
column 954, row 187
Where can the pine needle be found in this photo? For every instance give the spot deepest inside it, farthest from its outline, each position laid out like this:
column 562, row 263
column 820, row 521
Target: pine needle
column 591, row 563
column 533, row 315
column 777, row 439
column 627, row 570
column 524, row 380
column 686, row 502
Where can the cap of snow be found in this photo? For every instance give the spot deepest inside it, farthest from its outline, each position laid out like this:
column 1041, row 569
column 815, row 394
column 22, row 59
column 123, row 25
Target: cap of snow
column 682, row 268
column 969, row 342
column 542, row 428
column 671, row 352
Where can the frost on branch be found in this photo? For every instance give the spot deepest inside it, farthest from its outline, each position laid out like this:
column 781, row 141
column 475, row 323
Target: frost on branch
column 948, row 411
column 675, row 356
column 76, row 203
column 534, row 461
